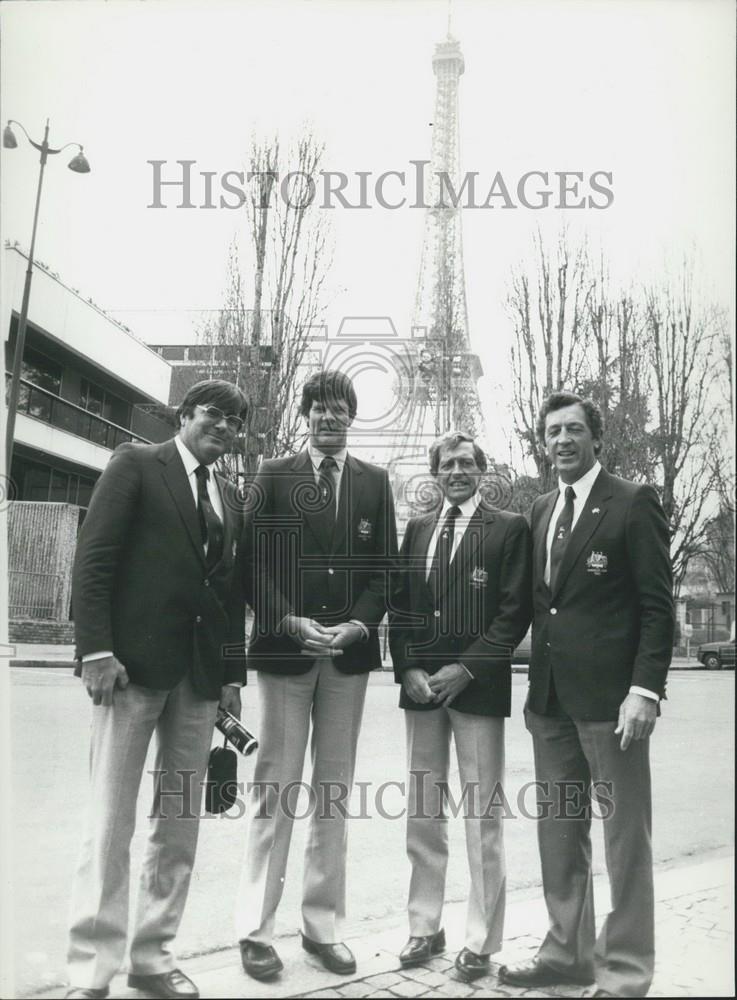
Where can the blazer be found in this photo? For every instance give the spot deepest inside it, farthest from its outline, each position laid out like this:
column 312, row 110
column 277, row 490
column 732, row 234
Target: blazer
column 140, row 583
column 479, row 620
column 310, row 565
column 610, row 621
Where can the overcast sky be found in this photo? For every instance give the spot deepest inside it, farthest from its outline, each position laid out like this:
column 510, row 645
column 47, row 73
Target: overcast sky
column 642, row 89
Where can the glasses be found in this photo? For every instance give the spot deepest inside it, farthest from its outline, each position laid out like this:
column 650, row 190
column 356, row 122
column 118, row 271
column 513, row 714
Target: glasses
column 215, row 414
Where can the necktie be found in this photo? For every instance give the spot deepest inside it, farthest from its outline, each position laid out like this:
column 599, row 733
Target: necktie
column 440, row 567
column 326, row 482
column 561, row 536
column 211, row 527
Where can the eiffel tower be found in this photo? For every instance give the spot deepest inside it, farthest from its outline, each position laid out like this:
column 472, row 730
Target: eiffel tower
column 444, row 369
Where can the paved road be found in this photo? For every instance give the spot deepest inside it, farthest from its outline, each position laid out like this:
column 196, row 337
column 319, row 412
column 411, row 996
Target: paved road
column 693, row 753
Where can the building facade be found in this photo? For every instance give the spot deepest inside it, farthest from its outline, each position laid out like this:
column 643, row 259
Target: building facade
column 87, row 385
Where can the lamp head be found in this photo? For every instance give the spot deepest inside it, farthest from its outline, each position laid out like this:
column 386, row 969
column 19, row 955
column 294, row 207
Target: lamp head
column 79, row 163
column 9, row 140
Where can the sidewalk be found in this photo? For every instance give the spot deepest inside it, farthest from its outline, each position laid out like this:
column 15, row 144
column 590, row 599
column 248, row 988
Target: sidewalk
column 694, row 933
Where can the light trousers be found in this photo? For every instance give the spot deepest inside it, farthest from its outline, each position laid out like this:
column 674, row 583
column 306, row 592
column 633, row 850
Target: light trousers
column 333, row 703
column 479, row 744
column 121, row 733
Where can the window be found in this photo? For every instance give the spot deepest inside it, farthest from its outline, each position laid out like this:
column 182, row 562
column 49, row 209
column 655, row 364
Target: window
column 59, row 487
column 200, row 353
column 104, row 404
column 41, row 371
column 42, row 483
column 35, row 483
column 172, row 353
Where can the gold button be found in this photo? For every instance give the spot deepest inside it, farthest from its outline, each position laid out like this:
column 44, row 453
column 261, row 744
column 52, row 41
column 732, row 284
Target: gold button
column 198, row 619
column 436, row 613
column 553, row 611
column 331, row 571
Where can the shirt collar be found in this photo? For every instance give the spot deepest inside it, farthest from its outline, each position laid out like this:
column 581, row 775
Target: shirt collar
column 582, row 486
column 316, row 456
column 467, row 508
column 190, row 462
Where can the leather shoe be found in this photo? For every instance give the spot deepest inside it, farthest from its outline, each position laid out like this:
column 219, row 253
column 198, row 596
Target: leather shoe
column 421, row 949
column 88, row 992
column 335, row 957
column 469, row 965
column 539, row 973
column 172, row 985
column 260, row 960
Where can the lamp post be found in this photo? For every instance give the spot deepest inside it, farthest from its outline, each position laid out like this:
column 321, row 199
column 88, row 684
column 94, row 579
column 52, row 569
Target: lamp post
column 79, row 165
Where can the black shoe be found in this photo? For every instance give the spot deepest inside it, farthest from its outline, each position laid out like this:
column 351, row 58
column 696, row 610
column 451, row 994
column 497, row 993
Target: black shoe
column 538, row 973
column 470, row 966
column 88, row 992
column 335, row 957
column 260, row 960
column 421, row 949
column 172, row 985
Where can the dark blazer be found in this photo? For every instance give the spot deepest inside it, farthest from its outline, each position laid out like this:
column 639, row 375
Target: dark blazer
column 484, row 615
column 307, row 565
column 140, row 584
column 610, row 621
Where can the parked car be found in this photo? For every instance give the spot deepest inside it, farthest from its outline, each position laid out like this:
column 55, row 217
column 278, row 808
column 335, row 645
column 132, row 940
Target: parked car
column 715, row 655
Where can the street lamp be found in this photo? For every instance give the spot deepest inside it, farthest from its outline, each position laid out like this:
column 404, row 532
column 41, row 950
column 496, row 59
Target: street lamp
column 79, row 165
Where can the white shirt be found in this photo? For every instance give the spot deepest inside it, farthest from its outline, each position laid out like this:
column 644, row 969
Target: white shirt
column 190, row 464
column 316, row 457
column 582, row 488
column 468, row 509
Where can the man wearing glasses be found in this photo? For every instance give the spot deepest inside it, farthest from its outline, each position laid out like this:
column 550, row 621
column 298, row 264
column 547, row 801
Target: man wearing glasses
column 157, row 601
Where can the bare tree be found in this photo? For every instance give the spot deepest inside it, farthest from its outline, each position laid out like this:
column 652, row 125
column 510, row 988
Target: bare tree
column 264, row 348
column 652, row 361
column 549, row 309
column 619, row 379
column 680, row 334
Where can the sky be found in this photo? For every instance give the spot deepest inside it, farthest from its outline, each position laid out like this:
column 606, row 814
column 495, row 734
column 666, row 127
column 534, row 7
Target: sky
column 639, row 88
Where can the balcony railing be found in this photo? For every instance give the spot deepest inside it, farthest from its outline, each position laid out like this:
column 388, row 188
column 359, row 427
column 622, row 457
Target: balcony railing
column 52, row 409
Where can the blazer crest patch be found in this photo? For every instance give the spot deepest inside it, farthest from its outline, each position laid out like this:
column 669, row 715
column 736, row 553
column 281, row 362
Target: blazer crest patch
column 479, row 578
column 597, row 563
column 365, row 530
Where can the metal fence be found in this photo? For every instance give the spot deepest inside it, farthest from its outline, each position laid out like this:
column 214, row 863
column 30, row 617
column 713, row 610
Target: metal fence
column 34, row 595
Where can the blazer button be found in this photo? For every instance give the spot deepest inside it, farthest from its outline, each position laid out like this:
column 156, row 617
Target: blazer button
column 331, row 571
column 198, row 619
column 206, row 583
column 436, row 613
column 324, row 607
column 553, row 611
